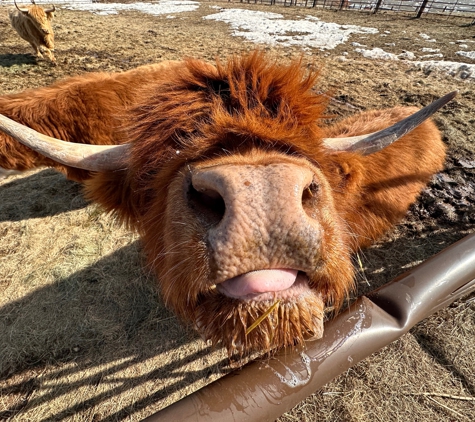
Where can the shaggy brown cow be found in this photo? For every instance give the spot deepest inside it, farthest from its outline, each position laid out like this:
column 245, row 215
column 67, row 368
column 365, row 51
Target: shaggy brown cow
column 33, row 24
column 243, row 198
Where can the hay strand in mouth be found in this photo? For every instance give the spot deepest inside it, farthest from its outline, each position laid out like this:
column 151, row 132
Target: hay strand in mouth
column 262, row 317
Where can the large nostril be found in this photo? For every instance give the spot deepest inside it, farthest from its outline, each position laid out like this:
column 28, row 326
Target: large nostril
column 310, row 197
column 207, row 203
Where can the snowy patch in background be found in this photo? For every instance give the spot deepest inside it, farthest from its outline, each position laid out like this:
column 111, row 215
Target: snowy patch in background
column 460, row 70
column 432, row 56
column 427, row 38
column 379, row 53
column 271, row 28
column 469, row 54
column 163, row 7
column 456, row 69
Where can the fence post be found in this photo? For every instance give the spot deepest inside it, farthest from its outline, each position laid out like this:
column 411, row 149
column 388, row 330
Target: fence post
column 378, row 4
column 421, row 9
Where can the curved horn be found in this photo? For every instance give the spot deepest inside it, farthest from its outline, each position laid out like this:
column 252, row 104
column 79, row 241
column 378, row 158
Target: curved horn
column 81, row 156
column 51, row 10
column 373, row 142
column 21, row 10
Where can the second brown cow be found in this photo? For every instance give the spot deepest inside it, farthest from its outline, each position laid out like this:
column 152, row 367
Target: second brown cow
column 33, row 24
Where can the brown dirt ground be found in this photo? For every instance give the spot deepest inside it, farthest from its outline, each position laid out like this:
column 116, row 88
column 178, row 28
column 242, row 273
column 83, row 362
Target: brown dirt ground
column 84, row 336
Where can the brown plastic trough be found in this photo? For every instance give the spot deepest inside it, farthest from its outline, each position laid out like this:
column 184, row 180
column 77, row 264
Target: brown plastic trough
column 263, row 391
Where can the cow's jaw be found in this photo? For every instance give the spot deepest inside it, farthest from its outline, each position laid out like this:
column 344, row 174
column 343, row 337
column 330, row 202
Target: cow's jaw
column 266, row 284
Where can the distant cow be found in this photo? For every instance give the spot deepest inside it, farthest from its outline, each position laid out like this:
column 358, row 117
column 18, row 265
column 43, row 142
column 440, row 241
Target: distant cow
column 245, row 200
column 33, row 24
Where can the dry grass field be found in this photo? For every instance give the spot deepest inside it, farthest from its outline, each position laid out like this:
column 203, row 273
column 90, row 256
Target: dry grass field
column 83, row 333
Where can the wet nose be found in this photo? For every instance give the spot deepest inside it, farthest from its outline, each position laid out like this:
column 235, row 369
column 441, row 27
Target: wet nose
column 257, row 213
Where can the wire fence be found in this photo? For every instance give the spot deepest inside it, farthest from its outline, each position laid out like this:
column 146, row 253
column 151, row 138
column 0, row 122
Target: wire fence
column 417, row 8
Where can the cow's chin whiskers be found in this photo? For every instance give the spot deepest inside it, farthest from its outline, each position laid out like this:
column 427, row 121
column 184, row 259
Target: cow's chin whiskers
column 224, row 321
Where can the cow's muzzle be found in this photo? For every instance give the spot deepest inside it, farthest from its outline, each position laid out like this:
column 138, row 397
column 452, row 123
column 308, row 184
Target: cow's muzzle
column 262, row 224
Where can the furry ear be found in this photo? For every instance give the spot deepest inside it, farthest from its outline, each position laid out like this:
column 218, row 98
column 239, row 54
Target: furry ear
column 381, row 187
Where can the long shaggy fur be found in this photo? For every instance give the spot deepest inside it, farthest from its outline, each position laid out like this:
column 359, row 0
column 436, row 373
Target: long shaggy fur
column 85, row 109
column 248, row 111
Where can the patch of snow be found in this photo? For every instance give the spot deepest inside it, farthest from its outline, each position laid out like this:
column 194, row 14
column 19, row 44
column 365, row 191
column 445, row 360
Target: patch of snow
column 461, row 70
column 162, row 7
column 432, row 56
column 463, row 46
column 377, row 53
column 407, row 55
column 427, row 38
column 430, row 50
column 271, row 28
column 469, row 54
column 456, row 69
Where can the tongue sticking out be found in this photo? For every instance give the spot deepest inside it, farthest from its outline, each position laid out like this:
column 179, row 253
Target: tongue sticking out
column 256, row 282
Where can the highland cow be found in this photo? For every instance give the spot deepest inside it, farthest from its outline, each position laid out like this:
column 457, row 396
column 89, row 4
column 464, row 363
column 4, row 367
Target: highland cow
column 245, row 200
column 33, row 24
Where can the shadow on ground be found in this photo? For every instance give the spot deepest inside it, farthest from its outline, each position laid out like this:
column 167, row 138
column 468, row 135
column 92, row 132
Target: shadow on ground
column 48, row 192
column 87, row 328
column 9, row 60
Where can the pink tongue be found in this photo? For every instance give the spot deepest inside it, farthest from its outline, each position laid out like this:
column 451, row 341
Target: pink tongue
column 256, row 282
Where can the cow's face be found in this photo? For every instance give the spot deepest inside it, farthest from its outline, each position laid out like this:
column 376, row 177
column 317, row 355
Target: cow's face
column 41, row 19
column 232, row 236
